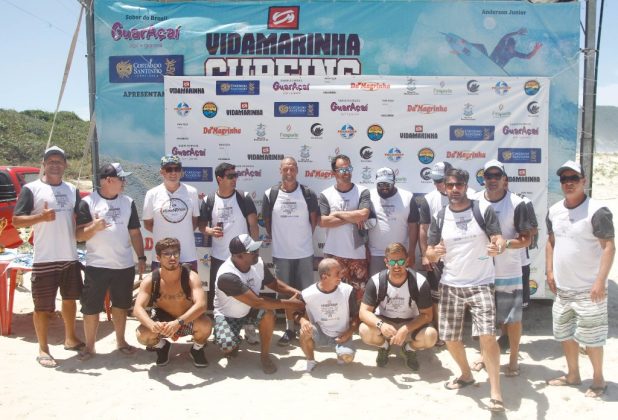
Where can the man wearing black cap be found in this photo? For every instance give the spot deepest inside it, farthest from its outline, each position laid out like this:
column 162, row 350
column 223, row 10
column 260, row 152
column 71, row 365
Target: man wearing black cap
column 396, row 219
column 49, row 206
column 107, row 221
column 171, row 210
column 237, row 301
column 579, row 254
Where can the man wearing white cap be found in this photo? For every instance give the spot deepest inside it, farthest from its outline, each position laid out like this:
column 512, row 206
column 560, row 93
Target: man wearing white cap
column 238, row 302
column 108, row 222
column 171, row 210
column 515, row 224
column 579, row 255
column 396, row 215
column 49, row 205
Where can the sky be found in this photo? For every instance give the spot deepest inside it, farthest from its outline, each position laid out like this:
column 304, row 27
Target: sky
column 38, row 33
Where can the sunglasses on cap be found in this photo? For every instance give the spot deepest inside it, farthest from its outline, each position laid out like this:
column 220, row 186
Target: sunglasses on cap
column 400, row 262
column 170, row 169
column 569, row 178
column 344, row 171
column 492, row 175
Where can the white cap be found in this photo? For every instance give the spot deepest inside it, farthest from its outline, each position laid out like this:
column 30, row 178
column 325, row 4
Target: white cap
column 569, row 164
column 494, row 164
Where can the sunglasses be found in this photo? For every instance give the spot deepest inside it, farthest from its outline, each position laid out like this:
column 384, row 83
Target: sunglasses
column 170, row 254
column 571, row 178
column 492, row 175
column 451, row 185
column 400, row 262
column 231, row 176
column 170, row 169
column 384, row 185
column 344, row 171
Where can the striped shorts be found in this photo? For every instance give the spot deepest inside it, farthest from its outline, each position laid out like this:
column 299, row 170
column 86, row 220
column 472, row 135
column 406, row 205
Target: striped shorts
column 577, row 317
column 452, row 308
column 47, row 278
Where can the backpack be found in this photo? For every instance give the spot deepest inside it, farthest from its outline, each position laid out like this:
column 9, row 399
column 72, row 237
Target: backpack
column 274, row 193
column 383, row 286
column 240, row 199
column 184, row 283
column 476, row 212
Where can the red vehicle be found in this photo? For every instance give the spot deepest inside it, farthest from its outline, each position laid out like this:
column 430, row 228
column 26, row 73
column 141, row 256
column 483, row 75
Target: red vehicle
column 12, row 179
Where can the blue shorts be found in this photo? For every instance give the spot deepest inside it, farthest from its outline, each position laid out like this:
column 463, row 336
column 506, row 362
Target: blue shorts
column 509, row 306
column 322, row 340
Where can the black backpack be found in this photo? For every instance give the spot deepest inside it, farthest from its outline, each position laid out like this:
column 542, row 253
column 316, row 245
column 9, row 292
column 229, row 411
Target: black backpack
column 476, row 212
column 274, row 193
column 184, row 283
column 383, row 286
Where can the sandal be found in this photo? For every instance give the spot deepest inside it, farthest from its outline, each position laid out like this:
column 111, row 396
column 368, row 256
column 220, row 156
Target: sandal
column 477, row 366
column 496, row 406
column 596, row 391
column 47, row 361
column 458, row 383
column 511, row 373
column 562, row 381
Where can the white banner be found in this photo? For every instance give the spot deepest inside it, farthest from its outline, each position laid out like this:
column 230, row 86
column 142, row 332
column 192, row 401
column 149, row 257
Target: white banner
column 405, row 123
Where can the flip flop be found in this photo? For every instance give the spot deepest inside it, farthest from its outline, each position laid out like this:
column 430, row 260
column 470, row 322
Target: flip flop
column 477, row 366
column 76, row 347
column 511, row 373
column 85, row 355
column 268, row 366
column 127, row 350
column 561, row 381
column 47, row 361
column 596, row 391
column 496, row 406
column 458, row 383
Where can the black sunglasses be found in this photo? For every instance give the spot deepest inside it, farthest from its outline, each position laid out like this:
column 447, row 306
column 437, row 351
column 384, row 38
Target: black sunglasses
column 571, row 178
column 492, row 175
column 170, row 169
column 231, row 176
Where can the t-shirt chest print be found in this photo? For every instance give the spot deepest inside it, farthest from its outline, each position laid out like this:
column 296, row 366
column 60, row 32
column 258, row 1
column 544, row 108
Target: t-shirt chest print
column 288, row 208
column 328, row 310
column 174, row 210
column 462, row 223
column 62, row 200
column 112, row 216
column 394, row 303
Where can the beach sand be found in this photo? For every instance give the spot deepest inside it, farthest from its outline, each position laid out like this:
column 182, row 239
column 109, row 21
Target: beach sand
column 113, row 385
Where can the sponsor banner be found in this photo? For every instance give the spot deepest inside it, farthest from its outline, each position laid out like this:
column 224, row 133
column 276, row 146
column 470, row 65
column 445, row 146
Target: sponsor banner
column 195, row 174
column 144, row 68
column 238, row 87
column 297, row 109
column 519, row 155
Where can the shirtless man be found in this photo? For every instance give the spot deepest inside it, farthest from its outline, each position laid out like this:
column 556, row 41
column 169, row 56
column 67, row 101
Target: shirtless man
column 176, row 295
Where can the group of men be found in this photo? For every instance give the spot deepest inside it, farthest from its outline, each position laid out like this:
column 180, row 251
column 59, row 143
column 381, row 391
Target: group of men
column 472, row 247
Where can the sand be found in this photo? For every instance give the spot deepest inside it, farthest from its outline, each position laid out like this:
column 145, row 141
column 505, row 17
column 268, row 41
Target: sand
column 113, row 385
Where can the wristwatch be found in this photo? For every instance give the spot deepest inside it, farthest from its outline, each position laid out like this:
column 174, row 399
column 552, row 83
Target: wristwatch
column 180, row 322
column 508, row 243
column 142, row 258
column 379, row 324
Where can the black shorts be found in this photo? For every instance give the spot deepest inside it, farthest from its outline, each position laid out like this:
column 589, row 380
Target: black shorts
column 98, row 281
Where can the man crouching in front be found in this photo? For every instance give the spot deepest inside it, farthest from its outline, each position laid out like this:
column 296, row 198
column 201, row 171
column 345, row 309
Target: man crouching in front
column 175, row 293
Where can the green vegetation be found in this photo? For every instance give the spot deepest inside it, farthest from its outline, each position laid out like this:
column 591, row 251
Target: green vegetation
column 23, row 136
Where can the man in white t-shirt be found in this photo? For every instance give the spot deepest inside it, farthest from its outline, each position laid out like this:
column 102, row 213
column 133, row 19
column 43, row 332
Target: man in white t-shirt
column 580, row 251
column 344, row 209
column 49, row 206
column 396, row 309
column 515, row 226
column 171, row 210
column 330, row 317
column 238, row 302
column 396, row 216
column 108, row 222
column 465, row 235
column 290, row 212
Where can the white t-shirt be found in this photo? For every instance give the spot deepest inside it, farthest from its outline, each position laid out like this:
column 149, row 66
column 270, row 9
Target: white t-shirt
column 111, row 247
column 172, row 213
column 227, row 211
column 344, row 241
column 392, row 215
column 466, row 262
column 513, row 218
column 577, row 251
column 55, row 240
column 433, row 201
column 232, row 282
column 292, row 237
column 330, row 311
column 398, row 304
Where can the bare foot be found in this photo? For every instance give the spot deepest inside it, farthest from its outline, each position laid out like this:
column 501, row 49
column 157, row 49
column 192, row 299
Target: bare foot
column 86, row 355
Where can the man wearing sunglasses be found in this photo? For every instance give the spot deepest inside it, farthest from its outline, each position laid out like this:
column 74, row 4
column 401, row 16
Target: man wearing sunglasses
column 171, row 210
column 107, row 220
column 465, row 235
column 396, row 219
column 238, row 302
column 579, row 255
column 516, row 226
column 175, row 293
column 396, row 310
column 344, row 209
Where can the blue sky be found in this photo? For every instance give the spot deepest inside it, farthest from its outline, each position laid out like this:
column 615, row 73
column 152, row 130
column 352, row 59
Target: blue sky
column 37, row 36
